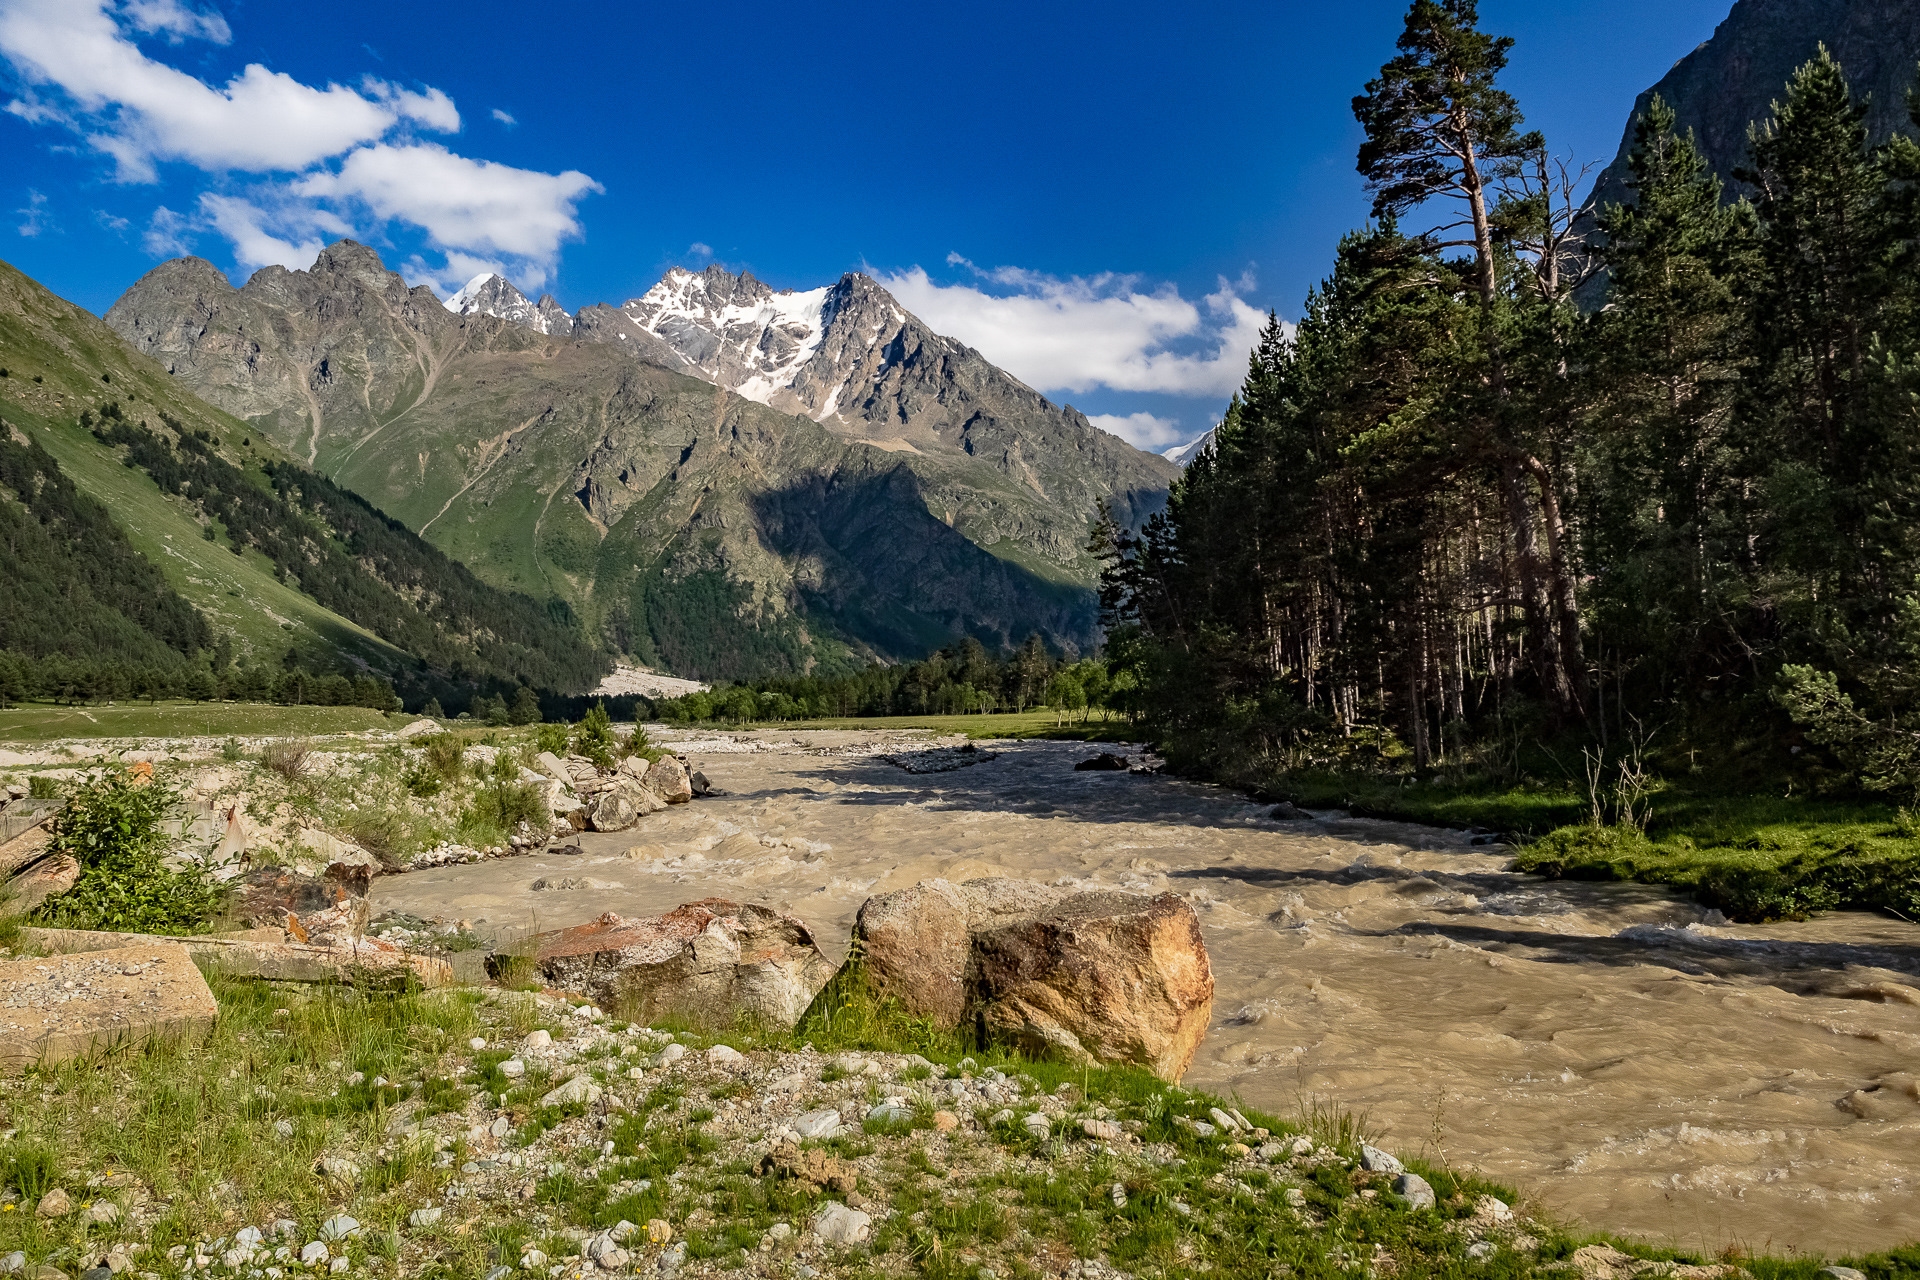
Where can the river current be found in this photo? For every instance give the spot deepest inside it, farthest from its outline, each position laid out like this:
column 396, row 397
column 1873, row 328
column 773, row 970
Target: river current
column 1622, row 1057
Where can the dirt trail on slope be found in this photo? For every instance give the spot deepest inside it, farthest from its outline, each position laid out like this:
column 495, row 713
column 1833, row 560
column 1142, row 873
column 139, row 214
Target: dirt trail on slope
column 1622, row 1061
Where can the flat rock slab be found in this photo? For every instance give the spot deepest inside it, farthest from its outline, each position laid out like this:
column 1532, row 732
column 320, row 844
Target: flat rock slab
column 54, row 1008
column 261, row 953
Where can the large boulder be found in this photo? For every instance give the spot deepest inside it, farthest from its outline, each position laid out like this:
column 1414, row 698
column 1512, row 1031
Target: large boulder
column 669, row 780
column 78, row 1006
column 1100, row 975
column 1112, row 977
column 711, row 962
column 915, row 942
column 621, row 805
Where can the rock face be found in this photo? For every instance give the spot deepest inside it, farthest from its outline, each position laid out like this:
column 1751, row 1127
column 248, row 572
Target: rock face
column 1733, row 79
column 687, row 518
column 710, row 962
column 1113, row 977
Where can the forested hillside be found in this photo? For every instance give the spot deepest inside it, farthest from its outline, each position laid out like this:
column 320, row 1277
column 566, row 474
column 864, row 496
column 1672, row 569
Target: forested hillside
column 74, row 585
column 163, row 547
column 1458, row 514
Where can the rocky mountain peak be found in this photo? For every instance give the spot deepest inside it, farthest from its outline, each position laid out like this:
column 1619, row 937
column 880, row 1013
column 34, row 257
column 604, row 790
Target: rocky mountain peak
column 1733, row 79
column 351, row 260
column 490, row 294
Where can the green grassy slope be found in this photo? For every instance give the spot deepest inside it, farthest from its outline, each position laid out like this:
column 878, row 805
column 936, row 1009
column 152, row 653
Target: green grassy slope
column 59, row 360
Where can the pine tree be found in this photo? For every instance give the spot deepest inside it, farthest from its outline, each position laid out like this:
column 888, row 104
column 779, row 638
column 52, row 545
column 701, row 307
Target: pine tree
column 1830, row 450
column 1440, row 135
column 1665, row 526
column 525, row 708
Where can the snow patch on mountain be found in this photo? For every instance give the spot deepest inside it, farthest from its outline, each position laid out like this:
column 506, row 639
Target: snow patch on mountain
column 735, row 330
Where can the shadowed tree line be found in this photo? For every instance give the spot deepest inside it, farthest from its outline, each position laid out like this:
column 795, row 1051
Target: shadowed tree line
column 1458, row 508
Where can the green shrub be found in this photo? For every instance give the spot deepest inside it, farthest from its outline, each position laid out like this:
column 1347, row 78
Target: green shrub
column 41, row 787
column 30, row 1168
column 593, row 737
column 112, row 828
column 504, row 802
column 553, row 737
column 444, row 757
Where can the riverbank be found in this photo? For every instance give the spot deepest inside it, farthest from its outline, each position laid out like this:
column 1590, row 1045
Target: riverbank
column 1756, row 857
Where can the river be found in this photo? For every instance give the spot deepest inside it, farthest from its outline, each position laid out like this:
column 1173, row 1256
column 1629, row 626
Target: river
column 1611, row 1050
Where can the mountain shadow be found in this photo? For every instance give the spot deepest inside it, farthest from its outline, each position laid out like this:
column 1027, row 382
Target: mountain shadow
column 890, row 576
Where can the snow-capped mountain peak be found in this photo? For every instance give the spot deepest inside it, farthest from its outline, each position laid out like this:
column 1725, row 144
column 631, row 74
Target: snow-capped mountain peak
column 1181, row 454
column 735, row 330
column 489, row 294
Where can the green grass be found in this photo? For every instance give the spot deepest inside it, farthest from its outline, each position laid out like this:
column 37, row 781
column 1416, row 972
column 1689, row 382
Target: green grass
column 194, row 1125
column 43, row 722
column 1756, row 856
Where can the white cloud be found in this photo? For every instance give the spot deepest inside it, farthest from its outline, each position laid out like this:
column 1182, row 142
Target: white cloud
column 354, row 163
column 142, row 112
column 504, row 118
column 176, row 22
column 461, row 203
column 1141, row 430
column 1081, row 333
column 33, row 214
column 458, row 269
column 699, row 249
column 168, row 234
column 252, row 230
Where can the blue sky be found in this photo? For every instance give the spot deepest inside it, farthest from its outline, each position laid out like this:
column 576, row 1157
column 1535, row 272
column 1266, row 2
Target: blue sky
column 1103, row 197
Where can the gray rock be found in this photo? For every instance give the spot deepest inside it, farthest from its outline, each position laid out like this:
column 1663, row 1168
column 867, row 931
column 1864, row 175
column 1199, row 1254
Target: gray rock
column 313, row 1253
column 339, row 1227
column 1414, row 1191
column 669, row 780
column 1288, row 811
column 425, row 1217
column 580, row 1089
column 13, row 1264
column 817, row 1124
column 1837, row 1272
column 1037, row 1125
column 837, row 1224
column 890, row 1113
column 1374, row 1160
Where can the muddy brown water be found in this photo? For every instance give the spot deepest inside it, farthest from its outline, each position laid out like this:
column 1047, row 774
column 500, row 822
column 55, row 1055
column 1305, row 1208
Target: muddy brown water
column 1607, row 1049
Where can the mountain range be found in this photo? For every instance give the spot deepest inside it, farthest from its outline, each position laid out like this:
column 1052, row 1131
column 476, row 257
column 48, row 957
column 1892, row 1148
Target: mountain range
column 716, row 477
